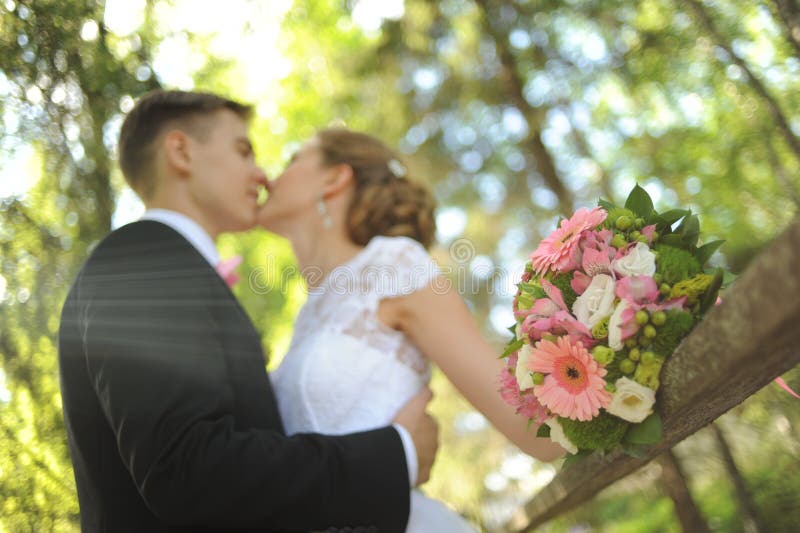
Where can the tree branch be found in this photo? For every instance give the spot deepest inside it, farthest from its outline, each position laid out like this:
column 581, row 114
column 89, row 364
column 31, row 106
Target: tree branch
column 790, row 14
column 514, row 85
column 778, row 116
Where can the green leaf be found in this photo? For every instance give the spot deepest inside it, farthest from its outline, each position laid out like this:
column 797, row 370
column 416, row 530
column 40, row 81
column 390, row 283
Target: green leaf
column 578, row 457
column 646, row 433
column 640, row 202
column 690, row 230
column 705, row 252
column 728, row 278
column 710, row 297
column 543, row 431
column 605, row 204
column 668, row 218
column 512, row 347
column 635, row 450
column 673, row 239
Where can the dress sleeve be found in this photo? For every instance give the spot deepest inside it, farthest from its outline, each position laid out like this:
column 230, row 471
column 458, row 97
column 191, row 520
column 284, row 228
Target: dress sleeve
column 401, row 266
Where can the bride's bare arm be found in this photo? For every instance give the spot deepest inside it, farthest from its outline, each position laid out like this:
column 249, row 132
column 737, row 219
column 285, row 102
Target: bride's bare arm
column 442, row 327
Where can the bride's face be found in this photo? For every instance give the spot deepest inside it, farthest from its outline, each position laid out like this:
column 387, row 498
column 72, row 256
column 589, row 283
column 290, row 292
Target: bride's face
column 293, row 195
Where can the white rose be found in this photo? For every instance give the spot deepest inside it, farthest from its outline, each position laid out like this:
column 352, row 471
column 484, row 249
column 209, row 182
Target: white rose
column 632, row 402
column 596, row 302
column 639, row 261
column 523, row 373
column 615, row 327
column 557, row 435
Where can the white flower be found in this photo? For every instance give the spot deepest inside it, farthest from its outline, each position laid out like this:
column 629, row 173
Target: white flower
column 596, row 302
column 639, row 261
column 615, row 326
column 557, row 435
column 632, row 402
column 523, row 373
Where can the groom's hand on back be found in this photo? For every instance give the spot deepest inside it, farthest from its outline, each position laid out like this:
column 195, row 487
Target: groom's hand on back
column 423, row 429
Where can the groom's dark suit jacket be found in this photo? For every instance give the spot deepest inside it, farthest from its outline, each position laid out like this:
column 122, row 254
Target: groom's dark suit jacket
column 171, row 419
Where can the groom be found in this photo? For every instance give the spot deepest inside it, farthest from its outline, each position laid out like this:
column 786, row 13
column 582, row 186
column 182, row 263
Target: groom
column 171, row 419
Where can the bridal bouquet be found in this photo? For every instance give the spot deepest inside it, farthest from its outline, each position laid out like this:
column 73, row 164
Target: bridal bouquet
column 604, row 301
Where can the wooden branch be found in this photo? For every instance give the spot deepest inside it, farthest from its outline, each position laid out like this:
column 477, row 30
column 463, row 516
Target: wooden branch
column 790, row 15
column 751, row 521
column 741, row 346
column 774, row 109
column 514, row 85
column 677, row 488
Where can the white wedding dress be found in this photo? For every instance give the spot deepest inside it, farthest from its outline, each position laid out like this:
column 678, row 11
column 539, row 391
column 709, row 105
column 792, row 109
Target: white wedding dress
column 345, row 371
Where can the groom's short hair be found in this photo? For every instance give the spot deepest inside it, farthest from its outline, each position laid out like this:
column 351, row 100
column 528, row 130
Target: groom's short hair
column 155, row 113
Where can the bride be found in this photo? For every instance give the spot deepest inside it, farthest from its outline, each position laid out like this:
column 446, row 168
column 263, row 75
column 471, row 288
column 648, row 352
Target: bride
column 378, row 312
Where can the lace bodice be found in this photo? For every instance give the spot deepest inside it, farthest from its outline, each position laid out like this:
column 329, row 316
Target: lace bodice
column 345, row 370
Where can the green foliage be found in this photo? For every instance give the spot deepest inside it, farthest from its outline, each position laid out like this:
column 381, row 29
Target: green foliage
column 647, row 432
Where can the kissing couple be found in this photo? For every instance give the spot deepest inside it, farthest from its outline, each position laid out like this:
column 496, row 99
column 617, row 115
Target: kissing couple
column 172, row 421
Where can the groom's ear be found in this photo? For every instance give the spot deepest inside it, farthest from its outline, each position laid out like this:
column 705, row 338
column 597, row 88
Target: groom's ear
column 338, row 179
column 177, row 151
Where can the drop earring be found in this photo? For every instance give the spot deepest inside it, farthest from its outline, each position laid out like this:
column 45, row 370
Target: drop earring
column 327, row 221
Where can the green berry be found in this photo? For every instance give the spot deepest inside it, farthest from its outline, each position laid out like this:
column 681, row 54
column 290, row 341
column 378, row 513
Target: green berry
column 624, row 222
column 642, row 317
column 538, row 378
column 650, row 331
column 630, row 342
column 610, row 387
column 664, row 289
column 627, row 366
column 657, row 278
column 619, row 241
column 648, row 358
column 603, row 354
column 634, row 354
column 642, row 238
column 635, row 234
column 638, row 223
column 659, row 318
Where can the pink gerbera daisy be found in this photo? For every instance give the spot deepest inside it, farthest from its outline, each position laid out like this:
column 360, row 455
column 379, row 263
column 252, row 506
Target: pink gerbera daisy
column 574, row 386
column 558, row 251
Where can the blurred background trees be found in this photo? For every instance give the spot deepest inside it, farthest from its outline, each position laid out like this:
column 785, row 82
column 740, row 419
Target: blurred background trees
column 514, row 113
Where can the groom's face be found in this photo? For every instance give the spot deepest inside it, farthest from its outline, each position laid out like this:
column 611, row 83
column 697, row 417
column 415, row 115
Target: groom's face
column 225, row 179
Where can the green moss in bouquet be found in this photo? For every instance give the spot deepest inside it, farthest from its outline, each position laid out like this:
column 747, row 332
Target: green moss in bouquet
column 602, row 432
column 678, row 324
column 675, row 264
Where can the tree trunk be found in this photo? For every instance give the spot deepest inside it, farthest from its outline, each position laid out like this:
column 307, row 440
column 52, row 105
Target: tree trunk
column 750, row 520
column 674, row 483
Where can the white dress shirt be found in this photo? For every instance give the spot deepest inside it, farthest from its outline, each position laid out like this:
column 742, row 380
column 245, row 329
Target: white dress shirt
column 202, row 241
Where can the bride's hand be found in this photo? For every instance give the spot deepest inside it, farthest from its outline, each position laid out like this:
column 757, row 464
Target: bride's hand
column 423, row 429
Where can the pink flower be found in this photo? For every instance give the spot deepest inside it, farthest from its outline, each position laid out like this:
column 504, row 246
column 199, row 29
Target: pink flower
column 648, row 232
column 637, row 289
column 525, row 403
column 559, row 251
column 596, row 262
column 574, row 387
column 580, row 282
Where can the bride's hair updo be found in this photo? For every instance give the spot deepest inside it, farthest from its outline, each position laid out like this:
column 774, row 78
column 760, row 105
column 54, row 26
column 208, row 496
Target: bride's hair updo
column 385, row 201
